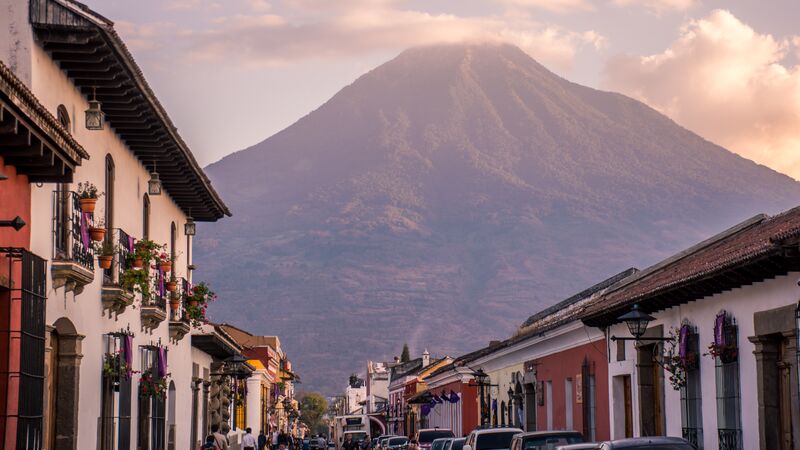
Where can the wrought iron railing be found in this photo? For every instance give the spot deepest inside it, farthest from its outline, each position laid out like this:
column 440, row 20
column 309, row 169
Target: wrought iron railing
column 730, row 439
column 114, row 432
column 124, row 246
column 158, row 288
column 178, row 314
column 71, row 241
column 694, row 436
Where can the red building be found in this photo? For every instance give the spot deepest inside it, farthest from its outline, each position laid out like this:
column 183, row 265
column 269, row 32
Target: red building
column 34, row 147
column 455, row 387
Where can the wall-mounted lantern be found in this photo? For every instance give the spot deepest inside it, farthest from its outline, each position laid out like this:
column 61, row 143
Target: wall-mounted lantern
column 637, row 320
column 95, row 117
column 154, row 184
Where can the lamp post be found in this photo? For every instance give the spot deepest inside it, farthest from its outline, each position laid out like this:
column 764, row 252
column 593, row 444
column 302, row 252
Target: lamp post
column 482, row 381
column 236, row 367
column 510, row 406
column 637, row 320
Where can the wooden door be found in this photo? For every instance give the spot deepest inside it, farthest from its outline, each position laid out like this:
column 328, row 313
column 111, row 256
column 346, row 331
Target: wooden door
column 626, row 392
column 52, row 383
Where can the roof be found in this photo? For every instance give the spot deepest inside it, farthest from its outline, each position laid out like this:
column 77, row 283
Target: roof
column 31, row 139
column 92, row 54
column 406, row 368
column 216, row 342
column 247, row 339
column 757, row 249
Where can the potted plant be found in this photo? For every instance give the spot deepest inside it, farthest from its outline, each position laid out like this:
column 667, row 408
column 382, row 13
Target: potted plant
column 174, row 302
column 116, row 368
column 195, row 314
column 98, row 231
column 165, row 262
column 87, row 197
column 105, row 253
column 151, row 386
column 136, row 281
column 199, row 294
column 144, row 251
column 172, row 285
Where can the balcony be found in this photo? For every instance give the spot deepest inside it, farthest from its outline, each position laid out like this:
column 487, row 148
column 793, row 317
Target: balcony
column 178, row 323
column 73, row 259
column 154, row 305
column 694, row 436
column 114, row 297
column 730, row 439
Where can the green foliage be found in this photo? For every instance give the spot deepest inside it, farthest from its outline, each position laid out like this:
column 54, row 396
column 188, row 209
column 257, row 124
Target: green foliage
column 405, row 356
column 106, row 247
column 88, row 190
column 147, row 250
column 201, row 293
column 136, row 281
column 196, row 314
column 313, row 406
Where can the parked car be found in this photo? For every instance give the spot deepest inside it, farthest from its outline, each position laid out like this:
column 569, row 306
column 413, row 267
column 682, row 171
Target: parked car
column 649, row 443
column 456, row 444
column 378, row 440
column 545, row 440
column 426, row 436
column 383, row 442
column 440, row 444
column 397, row 443
column 584, row 446
column 491, row 439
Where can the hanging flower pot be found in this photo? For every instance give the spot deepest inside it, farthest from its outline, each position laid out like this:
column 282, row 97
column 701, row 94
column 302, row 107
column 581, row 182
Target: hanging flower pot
column 174, row 304
column 193, row 302
column 138, row 262
column 97, row 234
column 88, row 205
column 165, row 266
column 104, row 261
column 172, row 286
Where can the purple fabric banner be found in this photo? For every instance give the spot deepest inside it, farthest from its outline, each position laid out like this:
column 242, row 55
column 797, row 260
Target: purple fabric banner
column 683, row 342
column 719, row 330
column 85, row 239
column 426, row 409
column 162, row 290
column 131, row 243
column 128, row 346
column 454, row 397
column 162, row 362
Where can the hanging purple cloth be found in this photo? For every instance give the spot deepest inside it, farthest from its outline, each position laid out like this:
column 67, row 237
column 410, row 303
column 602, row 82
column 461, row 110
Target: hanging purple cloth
column 454, row 397
column 494, row 404
column 85, row 239
column 426, row 409
column 131, row 243
column 162, row 362
column 719, row 330
column 128, row 347
column 683, row 342
column 162, row 290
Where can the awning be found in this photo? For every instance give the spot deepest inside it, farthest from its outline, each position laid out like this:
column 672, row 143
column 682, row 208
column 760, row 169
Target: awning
column 421, row 398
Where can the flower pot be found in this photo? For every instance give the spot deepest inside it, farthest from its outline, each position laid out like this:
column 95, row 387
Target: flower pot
column 138, row 262
column 88, row 204
column 104, row 261
column 193, row 302
column 172, row 286
column 165, row 266
column 174, row 304
column 97, row 234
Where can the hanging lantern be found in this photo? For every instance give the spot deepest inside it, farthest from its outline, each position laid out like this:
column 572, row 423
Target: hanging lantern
column 154, row 184
column 94, row 115
column 637, row 321
column 189, row 228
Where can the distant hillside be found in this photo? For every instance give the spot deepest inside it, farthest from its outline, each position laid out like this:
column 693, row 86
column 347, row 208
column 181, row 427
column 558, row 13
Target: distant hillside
column 448, row 194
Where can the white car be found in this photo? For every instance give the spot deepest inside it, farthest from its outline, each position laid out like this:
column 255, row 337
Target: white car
column 491, row 439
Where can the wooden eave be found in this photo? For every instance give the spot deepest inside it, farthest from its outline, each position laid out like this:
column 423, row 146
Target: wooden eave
column 31, row 139
column 91, row 54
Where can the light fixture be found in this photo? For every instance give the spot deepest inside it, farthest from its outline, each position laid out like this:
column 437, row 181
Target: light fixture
column 189, row 228
column 510, row 392
column 154, row 184
column 480, row 377
column 94, row 115
column 637, row 321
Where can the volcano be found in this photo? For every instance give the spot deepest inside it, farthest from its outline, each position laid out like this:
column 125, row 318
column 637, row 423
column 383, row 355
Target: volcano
column 446, row 195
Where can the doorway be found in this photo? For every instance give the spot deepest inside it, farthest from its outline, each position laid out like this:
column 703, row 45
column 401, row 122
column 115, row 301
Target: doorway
column 651, row 391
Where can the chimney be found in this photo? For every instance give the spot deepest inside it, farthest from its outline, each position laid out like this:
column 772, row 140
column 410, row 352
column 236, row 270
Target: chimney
column 426, row 358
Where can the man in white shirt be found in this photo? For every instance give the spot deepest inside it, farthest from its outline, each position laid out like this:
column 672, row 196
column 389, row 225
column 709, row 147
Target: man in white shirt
column 248, row 440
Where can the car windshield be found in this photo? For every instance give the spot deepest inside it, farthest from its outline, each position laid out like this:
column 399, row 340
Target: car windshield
column 494, row 441
column 357, row 436
column 550, row 442
column 398, row 441
column 457, row 444
column 438, row 444
column 429, row 436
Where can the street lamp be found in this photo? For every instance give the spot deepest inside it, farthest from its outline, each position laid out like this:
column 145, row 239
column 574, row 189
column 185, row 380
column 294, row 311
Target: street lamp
column 189, row 228
column 154, row 184
column 637, row 320
column 94, row 115
column 236, row 366
column 482, row 381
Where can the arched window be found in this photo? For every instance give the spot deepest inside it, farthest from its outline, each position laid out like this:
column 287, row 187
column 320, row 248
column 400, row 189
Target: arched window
column 63, row 118
column 109, row 193
column 146, row 217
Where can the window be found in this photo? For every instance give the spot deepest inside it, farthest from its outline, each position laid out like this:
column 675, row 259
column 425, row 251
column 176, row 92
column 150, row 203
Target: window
column 63, row 118
column 173, row 241
column 146, row 217
column 568, row 402
column 691, row 403
column 152, row 410
column 592, row 405
column 548, row 394
column 115, row 398
column 729, row 408
column 620, row 350
column 108, row 274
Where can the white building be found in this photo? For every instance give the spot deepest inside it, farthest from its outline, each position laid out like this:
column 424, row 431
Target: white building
column 377, row 384
column 736, row 294
column 68, row 55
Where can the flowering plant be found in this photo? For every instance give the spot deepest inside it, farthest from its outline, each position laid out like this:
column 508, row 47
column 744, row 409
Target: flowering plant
column 153, row 386
column 200, row 293
column 115, row 366
column 673, row 361
column 146, row 250
column 164, row 257
column 725, row 352
column 88, row 190
column 724, row 345
column 196, row 314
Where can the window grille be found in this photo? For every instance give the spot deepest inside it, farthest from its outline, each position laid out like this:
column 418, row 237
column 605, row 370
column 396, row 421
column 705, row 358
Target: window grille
column 729, row 415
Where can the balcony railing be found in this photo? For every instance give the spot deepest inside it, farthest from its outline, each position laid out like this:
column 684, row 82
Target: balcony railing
column 178, row 314
column 158, row 289
column 124, row 244
column 71, row 241
column 114, row 433
column 694, row 436
column 730, row 439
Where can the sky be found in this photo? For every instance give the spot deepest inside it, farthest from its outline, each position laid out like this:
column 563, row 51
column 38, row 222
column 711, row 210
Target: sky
column 233, row 72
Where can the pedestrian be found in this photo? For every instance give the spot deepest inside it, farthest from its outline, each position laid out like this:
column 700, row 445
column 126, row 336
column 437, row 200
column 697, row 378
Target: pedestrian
column 248, row 440
column 349, row 444
column 412, row 445
column 210, row 443
column 275, row 440
column 262, row 440
column 283, row 441
column 220, row 439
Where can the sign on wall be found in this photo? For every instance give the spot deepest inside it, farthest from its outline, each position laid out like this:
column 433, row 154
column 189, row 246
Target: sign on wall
column 578, row 388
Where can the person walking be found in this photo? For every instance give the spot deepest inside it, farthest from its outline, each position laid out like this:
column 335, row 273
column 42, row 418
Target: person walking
column 283, row 441
column 210, row 443
column 248, row 440
column 220, row 439
column 349, row 443
column 262, row 440
column 275, row 440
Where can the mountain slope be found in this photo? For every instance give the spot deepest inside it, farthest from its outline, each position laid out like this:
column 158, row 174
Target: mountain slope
column 444, row 196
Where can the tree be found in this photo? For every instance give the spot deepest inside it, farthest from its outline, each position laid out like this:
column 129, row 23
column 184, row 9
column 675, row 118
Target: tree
column 312, row 407
column 405, row 356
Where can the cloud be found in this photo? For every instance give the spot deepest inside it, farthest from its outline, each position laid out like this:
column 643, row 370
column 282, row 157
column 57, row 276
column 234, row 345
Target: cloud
column 726, row 82
column 658, row 6
column 380, row 27
column 556, row 6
